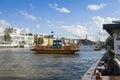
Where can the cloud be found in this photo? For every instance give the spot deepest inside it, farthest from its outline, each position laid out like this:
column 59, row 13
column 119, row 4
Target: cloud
column 38, row 25
column 27, row 15
column 4, row 24
column 99, row 21
column 96, row 7
column 77, row 30
column 25, row 30
column 62, row 10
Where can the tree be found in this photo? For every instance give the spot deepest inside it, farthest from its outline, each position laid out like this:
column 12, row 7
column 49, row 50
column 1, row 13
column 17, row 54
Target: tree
column 30, row 34
column 38, row 40
column 35, row 39
column 109, row 41
column 7, row 37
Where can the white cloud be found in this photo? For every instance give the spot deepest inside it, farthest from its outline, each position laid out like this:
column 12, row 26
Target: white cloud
column 99, row 21
column 38, row 25
column 27, row 15
column 25, row 30
column 62, row 10
column 96, row 7
column 77, row 30
column 94, row 32
column 4, row 24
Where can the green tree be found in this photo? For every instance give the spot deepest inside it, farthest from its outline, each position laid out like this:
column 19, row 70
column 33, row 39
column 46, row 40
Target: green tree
column 7, row 37
column 30, row 34
column 23, row 42
column 109, row 41
column 38, row 40
column 35, row 39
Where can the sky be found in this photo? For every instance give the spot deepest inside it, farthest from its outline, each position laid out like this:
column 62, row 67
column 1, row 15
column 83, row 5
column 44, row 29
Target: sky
column 72, row 19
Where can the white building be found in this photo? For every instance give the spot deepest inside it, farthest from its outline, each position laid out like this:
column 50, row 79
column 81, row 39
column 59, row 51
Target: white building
column 16, row 37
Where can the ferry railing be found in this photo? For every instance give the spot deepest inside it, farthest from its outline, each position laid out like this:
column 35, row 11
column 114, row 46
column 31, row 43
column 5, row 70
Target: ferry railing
column 89, row 75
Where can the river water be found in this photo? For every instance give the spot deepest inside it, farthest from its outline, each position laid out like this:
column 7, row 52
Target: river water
column 23, row 64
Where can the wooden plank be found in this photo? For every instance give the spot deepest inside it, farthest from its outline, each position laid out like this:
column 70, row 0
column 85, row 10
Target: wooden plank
column 110, row 77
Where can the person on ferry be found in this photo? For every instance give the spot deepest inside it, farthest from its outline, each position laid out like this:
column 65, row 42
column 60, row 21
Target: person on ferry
column 112, row 65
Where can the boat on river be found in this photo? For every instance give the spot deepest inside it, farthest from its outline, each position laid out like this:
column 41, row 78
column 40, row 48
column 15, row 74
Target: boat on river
column 10, row 45
column 56, row 47
column 98, row 46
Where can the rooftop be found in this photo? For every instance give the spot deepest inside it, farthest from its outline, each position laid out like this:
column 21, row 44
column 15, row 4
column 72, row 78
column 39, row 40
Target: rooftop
column 110, row 27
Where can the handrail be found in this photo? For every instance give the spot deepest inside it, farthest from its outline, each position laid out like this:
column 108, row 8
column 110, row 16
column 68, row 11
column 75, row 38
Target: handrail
column 89, row 74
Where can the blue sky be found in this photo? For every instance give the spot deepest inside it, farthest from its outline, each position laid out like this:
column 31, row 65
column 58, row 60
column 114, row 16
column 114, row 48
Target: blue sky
column 67, row 18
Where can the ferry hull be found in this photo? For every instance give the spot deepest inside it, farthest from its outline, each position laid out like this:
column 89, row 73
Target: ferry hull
column 56, row 51
column 65, row 50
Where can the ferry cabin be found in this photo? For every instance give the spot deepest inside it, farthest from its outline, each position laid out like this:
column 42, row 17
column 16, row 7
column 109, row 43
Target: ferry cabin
column 114, row 31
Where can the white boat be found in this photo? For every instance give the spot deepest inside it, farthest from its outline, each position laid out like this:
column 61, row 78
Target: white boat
column 98, row 47
column 10, row 45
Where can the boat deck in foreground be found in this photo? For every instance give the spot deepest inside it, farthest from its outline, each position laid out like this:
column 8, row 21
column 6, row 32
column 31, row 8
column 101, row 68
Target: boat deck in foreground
column 91, row 73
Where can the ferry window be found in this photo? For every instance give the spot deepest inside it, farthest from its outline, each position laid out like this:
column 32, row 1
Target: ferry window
column 118, row 36
column 60, row 43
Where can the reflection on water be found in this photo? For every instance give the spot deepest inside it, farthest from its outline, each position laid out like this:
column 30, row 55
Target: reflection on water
column 24, row 64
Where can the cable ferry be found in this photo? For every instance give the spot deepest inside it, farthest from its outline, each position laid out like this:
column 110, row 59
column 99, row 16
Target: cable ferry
column 56, row 47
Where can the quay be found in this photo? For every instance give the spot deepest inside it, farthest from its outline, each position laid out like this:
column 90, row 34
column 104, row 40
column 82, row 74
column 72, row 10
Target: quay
column 92, row 73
